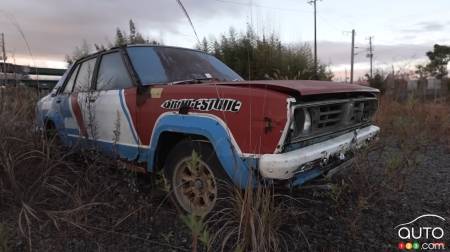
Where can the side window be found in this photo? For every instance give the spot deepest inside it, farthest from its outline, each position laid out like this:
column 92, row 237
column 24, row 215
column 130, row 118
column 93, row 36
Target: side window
column 112, row 73
column 84, row 77
column 69, row 86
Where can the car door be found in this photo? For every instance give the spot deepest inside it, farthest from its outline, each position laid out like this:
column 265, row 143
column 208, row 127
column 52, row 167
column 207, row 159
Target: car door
column 69, row 128
column 114, row 104
column 81, row 98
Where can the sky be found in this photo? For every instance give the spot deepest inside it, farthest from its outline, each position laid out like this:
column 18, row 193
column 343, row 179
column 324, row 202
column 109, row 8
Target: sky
column 402, row 30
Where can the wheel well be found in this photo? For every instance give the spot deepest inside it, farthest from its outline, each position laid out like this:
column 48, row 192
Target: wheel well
column 49, row 124
column 168, row 140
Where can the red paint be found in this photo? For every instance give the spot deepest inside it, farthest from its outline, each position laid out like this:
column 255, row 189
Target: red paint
column 248, row 126
column 76, row 108
column 303, row 87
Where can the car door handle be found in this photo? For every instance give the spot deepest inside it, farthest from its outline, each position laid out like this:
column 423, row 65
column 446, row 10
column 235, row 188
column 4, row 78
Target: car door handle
column 58, row 101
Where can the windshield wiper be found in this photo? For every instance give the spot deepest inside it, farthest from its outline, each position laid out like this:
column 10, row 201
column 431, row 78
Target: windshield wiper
column 191, row 81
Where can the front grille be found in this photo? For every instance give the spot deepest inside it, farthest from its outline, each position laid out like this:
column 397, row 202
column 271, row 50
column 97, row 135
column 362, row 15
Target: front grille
column 326, row 115
column 335, row 115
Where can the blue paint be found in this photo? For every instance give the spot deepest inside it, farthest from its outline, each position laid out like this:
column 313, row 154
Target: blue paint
column 306, row 176
column 238, row 170
column 108, row 148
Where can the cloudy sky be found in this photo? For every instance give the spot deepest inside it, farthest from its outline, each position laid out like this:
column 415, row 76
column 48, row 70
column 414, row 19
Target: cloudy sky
column 402, row 30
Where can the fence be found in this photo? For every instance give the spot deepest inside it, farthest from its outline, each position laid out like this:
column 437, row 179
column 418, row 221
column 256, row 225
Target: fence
column 423, row 89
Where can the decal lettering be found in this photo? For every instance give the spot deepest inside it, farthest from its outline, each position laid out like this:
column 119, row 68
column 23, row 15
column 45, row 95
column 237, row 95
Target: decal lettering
column 204, row 104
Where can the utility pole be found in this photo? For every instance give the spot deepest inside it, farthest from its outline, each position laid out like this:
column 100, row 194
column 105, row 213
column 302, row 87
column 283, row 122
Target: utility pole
column 314, row 2
column 352, row 58
column 370, row 55
column 4, row 58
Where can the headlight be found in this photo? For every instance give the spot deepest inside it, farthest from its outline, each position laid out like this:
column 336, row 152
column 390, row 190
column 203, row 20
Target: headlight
column 301, row 122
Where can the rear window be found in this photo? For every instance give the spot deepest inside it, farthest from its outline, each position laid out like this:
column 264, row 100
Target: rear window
column 112, row 73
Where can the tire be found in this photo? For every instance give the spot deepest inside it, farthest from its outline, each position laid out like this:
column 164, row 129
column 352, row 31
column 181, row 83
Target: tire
column 196, row 178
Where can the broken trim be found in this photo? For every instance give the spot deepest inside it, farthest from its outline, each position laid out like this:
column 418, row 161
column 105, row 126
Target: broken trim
column 286, row 165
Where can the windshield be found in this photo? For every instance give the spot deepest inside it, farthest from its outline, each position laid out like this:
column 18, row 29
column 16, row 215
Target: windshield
column 168, row 64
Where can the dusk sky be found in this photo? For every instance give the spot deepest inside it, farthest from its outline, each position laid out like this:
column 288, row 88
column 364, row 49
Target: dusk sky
column 403, row 30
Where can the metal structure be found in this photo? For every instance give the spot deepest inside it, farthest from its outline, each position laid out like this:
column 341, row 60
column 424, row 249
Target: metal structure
column 314, row 3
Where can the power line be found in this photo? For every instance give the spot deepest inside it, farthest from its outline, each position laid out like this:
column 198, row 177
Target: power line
column 189, row 19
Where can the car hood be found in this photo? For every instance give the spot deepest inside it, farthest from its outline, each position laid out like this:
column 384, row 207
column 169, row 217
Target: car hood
column 303, row 87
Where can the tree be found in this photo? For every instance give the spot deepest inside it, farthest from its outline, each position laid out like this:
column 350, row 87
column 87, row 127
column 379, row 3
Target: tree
column 121, row 39
column 79, row 52
column 377, row 81
column 264, row 57
column 437, row 67
column 135, row 36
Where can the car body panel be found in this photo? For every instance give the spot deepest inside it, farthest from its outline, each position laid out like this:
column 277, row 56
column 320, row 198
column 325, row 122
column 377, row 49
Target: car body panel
column 303, row 87
column 243, row 120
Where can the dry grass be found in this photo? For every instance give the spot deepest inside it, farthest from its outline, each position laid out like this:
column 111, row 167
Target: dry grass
column 35, row 173
column 252, row 220
column 50, row 195
column 407, row 130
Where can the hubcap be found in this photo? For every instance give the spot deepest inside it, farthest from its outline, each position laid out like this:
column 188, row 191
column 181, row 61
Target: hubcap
column 195, row 187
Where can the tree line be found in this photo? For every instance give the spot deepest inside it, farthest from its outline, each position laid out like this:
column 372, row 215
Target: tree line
column 252, row 56
column 264, row 57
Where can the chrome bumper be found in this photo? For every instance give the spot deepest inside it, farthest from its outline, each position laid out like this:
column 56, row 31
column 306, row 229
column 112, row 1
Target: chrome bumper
column 287, row 165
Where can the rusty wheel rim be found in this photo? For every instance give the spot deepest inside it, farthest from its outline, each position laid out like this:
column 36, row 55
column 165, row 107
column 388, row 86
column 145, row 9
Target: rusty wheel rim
column 195, row 186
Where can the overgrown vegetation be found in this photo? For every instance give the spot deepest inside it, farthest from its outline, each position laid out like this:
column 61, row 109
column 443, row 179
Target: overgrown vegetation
column 437, row 66
column 121, row 38
column 252, row 56
column 59, row 199
column 257, row 57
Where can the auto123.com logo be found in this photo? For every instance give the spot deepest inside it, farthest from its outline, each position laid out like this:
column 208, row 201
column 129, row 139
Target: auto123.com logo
column 426, row 232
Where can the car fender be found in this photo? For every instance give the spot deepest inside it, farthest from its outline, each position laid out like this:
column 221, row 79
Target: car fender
column 236, row 164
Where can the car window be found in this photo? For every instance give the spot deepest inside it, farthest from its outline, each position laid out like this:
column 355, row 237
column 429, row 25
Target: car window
column 170, row 64
column 84, row 77
column 112, row 73
column 147, row 64
column 69, row 86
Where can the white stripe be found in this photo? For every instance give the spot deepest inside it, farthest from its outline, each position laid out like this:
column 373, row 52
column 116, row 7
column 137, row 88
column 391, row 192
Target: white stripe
column 130, row 117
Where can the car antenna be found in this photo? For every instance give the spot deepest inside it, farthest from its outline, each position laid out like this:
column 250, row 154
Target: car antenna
column 189, row 19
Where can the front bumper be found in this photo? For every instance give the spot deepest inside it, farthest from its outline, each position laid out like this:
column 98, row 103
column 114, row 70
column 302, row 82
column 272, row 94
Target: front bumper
column 289, row 164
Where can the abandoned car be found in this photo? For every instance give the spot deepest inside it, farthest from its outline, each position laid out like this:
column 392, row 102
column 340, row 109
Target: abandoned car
column 187, row 114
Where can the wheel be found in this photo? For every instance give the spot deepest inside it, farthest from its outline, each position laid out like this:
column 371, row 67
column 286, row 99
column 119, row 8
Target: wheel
column 196, row 178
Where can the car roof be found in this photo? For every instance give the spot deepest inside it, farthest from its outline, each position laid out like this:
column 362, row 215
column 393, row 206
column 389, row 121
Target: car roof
column 129, row 46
